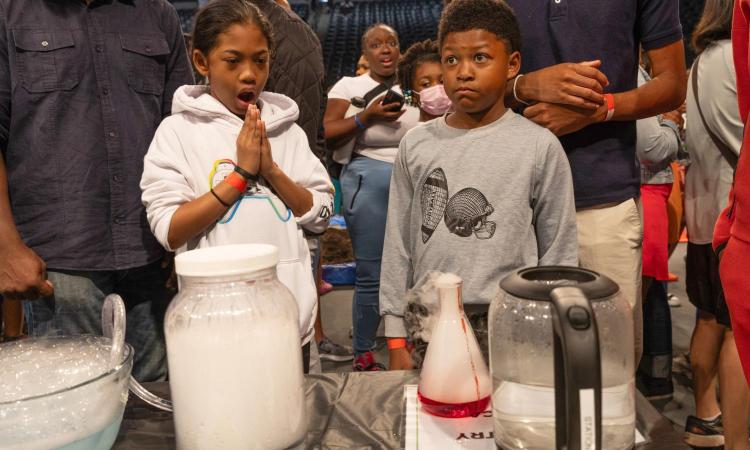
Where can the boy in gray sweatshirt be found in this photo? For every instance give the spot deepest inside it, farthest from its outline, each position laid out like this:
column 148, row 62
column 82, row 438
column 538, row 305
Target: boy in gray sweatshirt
column 480, row 192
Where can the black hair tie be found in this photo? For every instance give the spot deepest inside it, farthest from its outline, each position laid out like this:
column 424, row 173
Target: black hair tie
column 226, row 205
column 245, row 174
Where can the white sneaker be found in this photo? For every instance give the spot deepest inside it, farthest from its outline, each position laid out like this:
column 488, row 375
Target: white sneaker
column 673, row 300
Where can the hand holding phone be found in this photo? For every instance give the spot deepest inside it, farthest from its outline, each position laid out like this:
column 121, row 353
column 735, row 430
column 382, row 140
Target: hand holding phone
column 385, row 109
column 393, row 97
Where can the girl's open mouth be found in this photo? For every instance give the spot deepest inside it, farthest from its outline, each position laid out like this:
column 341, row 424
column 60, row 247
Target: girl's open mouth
column 246, row 97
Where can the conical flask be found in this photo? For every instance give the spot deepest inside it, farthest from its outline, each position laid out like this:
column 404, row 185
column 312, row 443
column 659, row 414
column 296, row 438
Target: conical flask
column 455, row 381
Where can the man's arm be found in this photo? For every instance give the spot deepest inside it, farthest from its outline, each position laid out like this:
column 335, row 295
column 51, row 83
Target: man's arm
column 665, row 92
column 22, row 272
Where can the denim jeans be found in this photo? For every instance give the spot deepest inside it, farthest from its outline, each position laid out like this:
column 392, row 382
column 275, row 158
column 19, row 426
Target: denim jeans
column 657, row 333
column 365, row 184
column 75, row 308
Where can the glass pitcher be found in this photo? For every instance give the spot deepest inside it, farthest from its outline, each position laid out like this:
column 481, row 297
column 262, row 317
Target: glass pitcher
column 234, row 352
column 561, row 359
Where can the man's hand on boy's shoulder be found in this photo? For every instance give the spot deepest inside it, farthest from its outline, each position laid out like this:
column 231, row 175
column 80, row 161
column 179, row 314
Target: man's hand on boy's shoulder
column 563, row 119
column 574, row 84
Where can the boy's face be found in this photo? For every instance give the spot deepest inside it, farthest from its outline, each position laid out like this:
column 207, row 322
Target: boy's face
column 237, row 66
column 476, row 67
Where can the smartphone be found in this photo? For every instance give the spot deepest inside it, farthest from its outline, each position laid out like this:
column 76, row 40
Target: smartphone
column 393, row 97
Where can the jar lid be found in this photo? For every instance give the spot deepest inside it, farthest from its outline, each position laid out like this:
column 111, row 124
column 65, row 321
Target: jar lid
column 226, row 260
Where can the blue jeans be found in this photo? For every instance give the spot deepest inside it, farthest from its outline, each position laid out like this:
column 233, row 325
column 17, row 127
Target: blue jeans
column 76, row 307
column 657, row 333
column 365, row 184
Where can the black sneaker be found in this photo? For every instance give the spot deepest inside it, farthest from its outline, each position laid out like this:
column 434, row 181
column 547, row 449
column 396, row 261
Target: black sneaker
column 331, row 351
column 704, row 433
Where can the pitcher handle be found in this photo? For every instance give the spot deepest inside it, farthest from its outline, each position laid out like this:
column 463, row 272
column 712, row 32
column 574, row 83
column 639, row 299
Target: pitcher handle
column 148, row 397
column 113, row 327
column 578, row 374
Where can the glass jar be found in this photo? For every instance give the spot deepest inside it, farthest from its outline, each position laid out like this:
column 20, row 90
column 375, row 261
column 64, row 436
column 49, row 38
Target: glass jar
column 234, row 352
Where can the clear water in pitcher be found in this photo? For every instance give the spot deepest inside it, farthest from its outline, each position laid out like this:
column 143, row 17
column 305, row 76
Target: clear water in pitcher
column 525, row 416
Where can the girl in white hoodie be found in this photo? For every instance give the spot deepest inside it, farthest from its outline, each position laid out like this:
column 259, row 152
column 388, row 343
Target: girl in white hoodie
column 230, row 166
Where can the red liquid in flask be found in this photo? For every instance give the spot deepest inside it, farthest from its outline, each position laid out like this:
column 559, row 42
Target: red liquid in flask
column 454, row 410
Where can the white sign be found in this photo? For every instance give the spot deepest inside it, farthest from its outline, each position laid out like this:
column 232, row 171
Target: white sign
column 425, row 431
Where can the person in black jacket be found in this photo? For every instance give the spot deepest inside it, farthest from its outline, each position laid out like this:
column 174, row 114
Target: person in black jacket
column 297, row 71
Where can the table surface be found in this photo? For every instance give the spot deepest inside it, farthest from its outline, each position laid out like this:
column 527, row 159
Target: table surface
column 349, row 411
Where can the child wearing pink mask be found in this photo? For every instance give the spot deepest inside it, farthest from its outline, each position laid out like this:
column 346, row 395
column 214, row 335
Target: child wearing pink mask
column 421, row 78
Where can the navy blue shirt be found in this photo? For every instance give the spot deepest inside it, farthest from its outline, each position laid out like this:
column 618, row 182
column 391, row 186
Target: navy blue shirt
column 82, row 90
column 602, row 156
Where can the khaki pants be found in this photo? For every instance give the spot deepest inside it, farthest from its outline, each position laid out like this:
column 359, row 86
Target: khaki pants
column 609, row 242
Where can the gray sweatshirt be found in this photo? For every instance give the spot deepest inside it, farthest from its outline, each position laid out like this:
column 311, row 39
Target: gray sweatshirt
column 479, row 203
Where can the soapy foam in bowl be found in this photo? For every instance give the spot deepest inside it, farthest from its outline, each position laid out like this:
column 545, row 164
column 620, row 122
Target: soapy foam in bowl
column 58, row 391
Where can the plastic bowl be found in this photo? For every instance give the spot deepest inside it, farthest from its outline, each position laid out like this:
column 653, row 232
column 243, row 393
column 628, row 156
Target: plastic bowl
column 85, row 415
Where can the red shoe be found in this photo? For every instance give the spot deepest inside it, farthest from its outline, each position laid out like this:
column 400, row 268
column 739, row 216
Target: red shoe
column 365, row 362
column 324, row 287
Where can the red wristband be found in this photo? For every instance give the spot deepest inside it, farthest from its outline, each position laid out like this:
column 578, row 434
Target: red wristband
column 236, row 181
column 396, row 343
column 610, row 99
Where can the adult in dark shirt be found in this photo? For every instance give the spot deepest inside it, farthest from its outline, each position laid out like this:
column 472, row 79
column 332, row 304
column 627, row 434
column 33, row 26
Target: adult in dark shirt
column 297, row 70
column 83, row 86
column 579, row 79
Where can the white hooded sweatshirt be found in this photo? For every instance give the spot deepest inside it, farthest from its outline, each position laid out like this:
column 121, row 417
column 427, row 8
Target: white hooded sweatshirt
column 194, row 149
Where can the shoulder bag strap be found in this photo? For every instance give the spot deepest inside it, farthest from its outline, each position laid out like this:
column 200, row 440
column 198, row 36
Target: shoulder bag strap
column 726, row 152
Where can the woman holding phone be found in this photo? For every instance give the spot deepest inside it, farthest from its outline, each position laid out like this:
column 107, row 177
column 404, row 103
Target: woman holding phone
column 376, row 128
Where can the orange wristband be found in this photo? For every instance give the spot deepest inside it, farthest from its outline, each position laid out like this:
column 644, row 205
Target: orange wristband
column 396, row 343
column 610, row 99
column 236, row 181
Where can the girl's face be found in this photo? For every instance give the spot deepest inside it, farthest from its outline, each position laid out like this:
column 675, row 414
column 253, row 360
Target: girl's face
column 426, row 74
column 237, row 66
column 382, row 51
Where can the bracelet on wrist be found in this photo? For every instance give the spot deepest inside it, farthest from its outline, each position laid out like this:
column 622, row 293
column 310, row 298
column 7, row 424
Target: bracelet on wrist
column 610, row 102
column 396, row 343
column 236, row 180
column 515, row 92
column 245, row 174
column 359, row 123
column 216, row 196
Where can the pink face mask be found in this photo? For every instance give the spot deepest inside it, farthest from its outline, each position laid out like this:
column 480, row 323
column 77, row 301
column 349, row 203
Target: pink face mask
column 434, row 101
